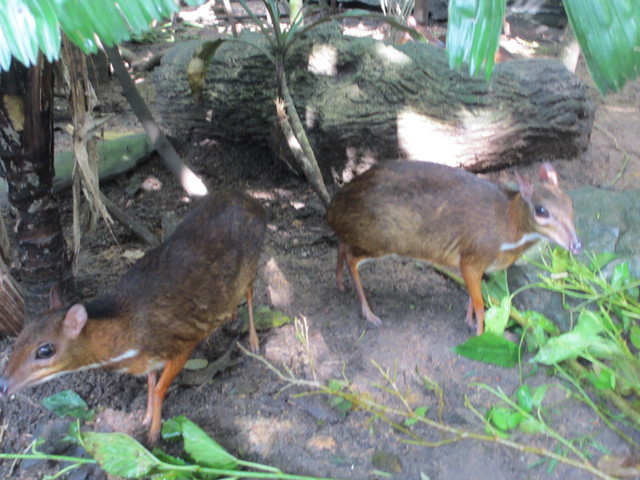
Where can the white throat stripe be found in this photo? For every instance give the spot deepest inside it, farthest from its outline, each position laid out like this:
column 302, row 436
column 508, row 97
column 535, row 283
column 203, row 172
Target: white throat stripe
column 526, row 238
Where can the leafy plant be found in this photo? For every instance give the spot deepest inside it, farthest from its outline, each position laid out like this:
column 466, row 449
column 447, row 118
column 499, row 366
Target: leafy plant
column 607, row 332
column 387, row 402
column 607, row 30
column 29, row 26
column 121, row 455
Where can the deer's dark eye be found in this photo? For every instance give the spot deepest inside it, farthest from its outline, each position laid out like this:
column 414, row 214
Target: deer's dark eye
column 46, row 350
column 541, row 211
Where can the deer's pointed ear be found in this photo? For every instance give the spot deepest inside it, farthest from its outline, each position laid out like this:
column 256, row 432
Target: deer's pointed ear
column 524, row 186
column 548, row 174
column 74, row 321
column 55, row 298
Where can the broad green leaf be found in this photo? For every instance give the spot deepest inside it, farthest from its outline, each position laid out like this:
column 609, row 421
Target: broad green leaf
column 573, row 344
column 497, row 286
column 18, row 24
column 138, row 18
column 504, row 418
column 497, row 317
column 600, row 260
column 5, row 51
column 264, row 317
column 531, row 425
column 538, row 319
column 538, row 395
column 200, row 446
column 524, row 398
column 489, row 348
column 473, row 33
column 336, row 385
column 604, row 380
column 515, row 419
column 47, row 29
column 560, row 348
column 589, row 324
column 418, row 412
column 27, row 26
column 608, row 32
column 166, row 458
column 68, row 403
column 620, row 275
column 119, row 454
column 559, row 260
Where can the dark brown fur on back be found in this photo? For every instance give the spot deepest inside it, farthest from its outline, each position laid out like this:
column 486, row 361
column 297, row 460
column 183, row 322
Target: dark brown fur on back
column 421, row 210
column 193, row 282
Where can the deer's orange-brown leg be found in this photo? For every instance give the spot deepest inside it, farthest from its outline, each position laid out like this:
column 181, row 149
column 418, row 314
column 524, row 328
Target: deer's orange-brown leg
column 151, row 385
column 254, row 343
column 472, row 276
column 171, row 369
column 352, row 264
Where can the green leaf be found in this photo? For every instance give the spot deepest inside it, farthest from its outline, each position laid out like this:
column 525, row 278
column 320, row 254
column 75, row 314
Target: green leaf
column 538, row 395
column 336, row 385
column 169, row 459
column 68, row 403
column 608, row 32
column 524, row 398
column 559, row 260
column 604, row 380
column 531, row 425
column 473, row 33
column 489, row 348
column 497, row 317
column 499, row 417
column 600, row 260
column 538, row 319
column 620, row 275
column 590, row 324
column 18, row 24
column 264, row 317
column 47, row 29
column 27, row 26
column 418, row 412
column 635, row 335
column 200, row 446
column 560, row 348
column 119, row 454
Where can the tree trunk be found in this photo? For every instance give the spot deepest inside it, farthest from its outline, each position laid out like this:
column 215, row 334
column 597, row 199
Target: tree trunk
column 26, row 130
column 362, row 101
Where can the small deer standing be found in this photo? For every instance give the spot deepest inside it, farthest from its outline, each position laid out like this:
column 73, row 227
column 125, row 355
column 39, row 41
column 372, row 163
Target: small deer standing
column 169, row 301
column 447, row 217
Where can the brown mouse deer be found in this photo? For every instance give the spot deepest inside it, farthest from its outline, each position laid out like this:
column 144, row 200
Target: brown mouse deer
column 447, row 217
column 168, row 301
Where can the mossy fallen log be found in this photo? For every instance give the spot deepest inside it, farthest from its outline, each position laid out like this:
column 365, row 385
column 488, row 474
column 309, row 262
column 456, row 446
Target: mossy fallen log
column 362, row 101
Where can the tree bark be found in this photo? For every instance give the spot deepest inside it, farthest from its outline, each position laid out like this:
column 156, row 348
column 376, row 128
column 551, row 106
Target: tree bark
column 26, row 149
column 362, row 101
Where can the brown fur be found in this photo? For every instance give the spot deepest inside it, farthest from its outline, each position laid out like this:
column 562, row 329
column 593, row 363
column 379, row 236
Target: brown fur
column 446, row 216
column 169, row 301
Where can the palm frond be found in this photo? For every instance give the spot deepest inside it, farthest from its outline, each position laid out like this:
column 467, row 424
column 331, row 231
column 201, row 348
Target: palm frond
column 609, row 36
column 27, row 26
column 473, row 34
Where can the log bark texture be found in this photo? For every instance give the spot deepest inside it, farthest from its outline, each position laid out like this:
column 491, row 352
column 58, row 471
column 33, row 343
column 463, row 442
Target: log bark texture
column 362, row 101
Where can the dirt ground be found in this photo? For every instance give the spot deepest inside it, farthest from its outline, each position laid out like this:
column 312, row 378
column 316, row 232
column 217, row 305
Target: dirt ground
column 244, row 408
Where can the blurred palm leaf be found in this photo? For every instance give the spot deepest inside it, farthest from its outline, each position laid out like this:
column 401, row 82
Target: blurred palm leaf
column 27, row 26
column 609, row 35
column 608, row 32
column 473, row 34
